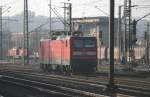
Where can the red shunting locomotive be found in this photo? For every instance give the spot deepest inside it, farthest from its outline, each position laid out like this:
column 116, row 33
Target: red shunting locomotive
column 69, row 54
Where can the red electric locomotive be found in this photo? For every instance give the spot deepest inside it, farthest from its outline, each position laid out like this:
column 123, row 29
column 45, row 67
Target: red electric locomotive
column 69, row 54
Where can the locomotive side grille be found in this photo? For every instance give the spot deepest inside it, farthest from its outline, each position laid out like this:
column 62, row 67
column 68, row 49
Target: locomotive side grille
column 85, row 53
column 76, row 53
column 84, row 62
column 90, row 53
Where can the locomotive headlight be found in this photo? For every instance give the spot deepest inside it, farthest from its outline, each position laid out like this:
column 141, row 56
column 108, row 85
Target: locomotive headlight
column 90, row 53
column 77, row 53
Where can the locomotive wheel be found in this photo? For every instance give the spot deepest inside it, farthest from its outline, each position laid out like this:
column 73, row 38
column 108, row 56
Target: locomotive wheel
column 64, row 70
column 58, row 68
column 61, row 68
column 43, row 67
column 49, row 67
column 67, row 70
column 46, row 68
column 40, row 66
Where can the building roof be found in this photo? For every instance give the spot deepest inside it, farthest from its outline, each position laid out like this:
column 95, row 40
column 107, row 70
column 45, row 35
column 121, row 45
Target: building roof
column 92, row 19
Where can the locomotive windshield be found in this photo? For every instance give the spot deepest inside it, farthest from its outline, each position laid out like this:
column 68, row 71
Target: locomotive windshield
column 84, row 43
column 78, row 43
column 89, row 43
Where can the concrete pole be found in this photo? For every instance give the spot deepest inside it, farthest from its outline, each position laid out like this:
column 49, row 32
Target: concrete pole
column 111, row 88
column 111, row 44
column 147, row 45
column 64, row 16
column 26, row 36
column 50, row 25
column 98, row 43
column 1, row 33
column 50, row 30
column 119, row 31
column 70, row 18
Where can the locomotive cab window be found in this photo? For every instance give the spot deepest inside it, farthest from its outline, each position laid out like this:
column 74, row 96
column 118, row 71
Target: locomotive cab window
column 89, row 43
column 78, row 43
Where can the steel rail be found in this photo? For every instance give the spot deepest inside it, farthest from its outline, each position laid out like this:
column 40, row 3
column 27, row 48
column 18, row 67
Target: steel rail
column 122, row 88
column 68, row 92
column 121, row 79
column 80, row 78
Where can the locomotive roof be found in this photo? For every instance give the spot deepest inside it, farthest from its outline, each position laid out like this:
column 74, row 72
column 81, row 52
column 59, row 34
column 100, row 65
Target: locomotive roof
column 45, row 39
column 65, row 37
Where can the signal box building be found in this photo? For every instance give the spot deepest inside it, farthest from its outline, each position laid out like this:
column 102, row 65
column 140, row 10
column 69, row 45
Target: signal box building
column 95, row 26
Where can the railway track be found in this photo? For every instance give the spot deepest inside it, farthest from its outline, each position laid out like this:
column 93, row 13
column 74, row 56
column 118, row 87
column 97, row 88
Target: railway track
column 123, row 81
column 20, row 83
column 135, row 86
column 47, row 88
column 95, row 86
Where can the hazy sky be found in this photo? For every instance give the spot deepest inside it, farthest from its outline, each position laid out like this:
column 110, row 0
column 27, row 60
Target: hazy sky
column 81, row 8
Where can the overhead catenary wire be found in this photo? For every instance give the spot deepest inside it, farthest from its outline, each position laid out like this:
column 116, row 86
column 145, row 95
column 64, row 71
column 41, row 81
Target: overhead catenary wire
column 58, row 15
column 102, row 11
column 89, row 3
